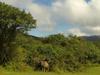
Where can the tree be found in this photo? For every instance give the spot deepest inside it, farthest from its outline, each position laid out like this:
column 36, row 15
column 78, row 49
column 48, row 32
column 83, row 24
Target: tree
column 12, row 21
column 57, row 39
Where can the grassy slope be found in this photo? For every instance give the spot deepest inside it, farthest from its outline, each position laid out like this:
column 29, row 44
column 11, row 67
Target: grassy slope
column 90, row 71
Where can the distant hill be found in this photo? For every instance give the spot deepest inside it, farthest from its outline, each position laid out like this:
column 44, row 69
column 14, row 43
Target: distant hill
column 92, row 38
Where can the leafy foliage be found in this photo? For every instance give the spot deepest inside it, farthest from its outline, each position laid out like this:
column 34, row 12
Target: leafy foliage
column 12, row 21
column 70, row 53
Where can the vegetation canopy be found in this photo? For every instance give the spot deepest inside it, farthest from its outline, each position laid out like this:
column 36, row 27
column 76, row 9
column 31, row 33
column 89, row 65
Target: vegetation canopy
column 22, row 52
column 12, row 21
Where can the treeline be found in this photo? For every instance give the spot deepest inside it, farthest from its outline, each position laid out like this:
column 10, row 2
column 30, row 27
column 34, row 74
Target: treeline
column 70, row 53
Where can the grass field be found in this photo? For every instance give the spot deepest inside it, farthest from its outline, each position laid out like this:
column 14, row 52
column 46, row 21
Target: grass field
column 90, row 71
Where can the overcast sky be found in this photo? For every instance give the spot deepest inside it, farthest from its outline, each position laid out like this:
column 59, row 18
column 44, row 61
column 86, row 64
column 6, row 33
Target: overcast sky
column 78, row 17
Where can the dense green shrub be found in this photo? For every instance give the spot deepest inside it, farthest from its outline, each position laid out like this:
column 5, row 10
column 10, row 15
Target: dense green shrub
column 64, row 53
column 73, row 55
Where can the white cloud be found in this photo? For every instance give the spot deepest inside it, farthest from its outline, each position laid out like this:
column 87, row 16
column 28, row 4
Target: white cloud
column 76, row 31
column 41, row 13
column 78, row 11
column 92, row 30
column 43, row 16
column 96, row 28
column 81, row 14
column 85, row 16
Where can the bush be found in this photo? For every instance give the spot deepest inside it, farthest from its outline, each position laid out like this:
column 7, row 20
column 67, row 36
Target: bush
column 18, row 63
column 18, row 66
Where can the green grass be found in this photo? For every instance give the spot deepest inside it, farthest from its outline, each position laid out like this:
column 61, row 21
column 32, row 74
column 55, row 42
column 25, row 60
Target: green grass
column 89, row 71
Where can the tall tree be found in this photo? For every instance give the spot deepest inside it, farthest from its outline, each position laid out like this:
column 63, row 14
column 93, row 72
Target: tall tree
column 12, row 20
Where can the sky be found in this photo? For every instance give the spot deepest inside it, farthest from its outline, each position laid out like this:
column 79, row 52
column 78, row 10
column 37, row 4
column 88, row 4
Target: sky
column 77, row 17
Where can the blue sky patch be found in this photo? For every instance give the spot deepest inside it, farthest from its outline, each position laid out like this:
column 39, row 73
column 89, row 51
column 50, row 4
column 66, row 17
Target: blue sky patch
column 87, row 1
column 44, row 2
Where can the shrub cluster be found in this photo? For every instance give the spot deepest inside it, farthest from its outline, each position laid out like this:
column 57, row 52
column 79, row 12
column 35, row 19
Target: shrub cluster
column 70, row 53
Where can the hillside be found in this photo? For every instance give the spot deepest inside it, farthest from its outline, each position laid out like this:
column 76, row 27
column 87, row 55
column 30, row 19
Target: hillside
column 92, row 38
